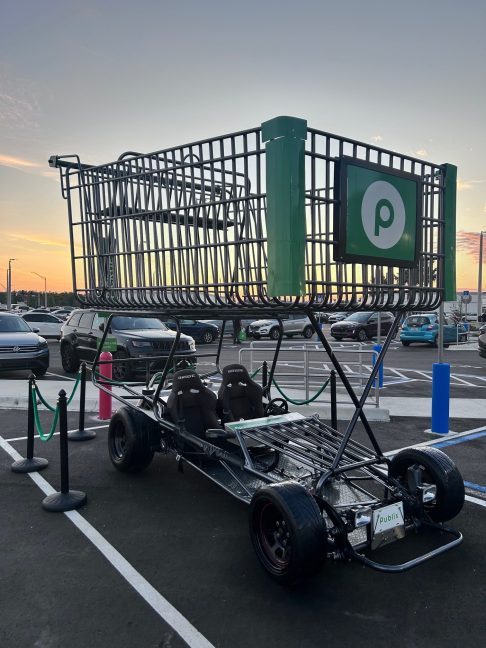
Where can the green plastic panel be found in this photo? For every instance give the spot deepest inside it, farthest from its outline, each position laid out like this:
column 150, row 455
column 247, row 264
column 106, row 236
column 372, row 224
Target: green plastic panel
column 286, row 226
column 450, row 194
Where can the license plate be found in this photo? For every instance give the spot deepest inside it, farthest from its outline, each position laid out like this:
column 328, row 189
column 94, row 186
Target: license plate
column 388, row 517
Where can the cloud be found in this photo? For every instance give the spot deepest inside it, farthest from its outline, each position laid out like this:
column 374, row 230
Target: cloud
column 465, row 185
column 468, row 242
column 38, row 240
column 420, row 153
column 19, row 106
column 377, row 139
column 17, row 163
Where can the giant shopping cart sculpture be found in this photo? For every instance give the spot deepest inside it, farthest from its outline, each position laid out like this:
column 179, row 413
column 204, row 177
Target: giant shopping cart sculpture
column 265, row 222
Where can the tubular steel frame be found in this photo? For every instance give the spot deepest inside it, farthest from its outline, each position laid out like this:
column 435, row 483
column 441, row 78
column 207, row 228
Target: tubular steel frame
column 184, row 230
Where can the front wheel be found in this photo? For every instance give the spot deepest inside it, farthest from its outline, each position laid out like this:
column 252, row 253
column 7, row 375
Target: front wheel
column 274, row 334
column 207, row 337
column 121, row 371
column 438, row 469
column 405, row 343
column 130, row 440
column 287, row 531
column 361, row 335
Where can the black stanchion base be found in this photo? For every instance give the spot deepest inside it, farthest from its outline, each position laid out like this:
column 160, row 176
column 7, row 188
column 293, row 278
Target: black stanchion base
column 60, row 502
column 29, row 465
column 81, row 435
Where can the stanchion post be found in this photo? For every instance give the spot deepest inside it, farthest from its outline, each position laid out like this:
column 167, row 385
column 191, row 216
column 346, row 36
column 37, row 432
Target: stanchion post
column 333, row 400
column 81, row 434
column 30, row 463
column 105, row 399
column 264, row 374
column 377, row 348
column 66, row 500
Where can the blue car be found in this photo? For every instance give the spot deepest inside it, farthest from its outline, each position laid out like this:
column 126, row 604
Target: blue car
column 203, row 332
column 425, row 328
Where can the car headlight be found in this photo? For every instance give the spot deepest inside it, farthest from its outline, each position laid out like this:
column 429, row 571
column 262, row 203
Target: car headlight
column 142, row 344
column 43, row 344
column 263, row 330
column 192, row 345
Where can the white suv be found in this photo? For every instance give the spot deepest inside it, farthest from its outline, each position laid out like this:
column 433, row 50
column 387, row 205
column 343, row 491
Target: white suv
column 295, row 324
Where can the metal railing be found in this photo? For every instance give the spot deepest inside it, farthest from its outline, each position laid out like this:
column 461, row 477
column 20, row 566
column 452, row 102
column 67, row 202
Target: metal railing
column 305, row 367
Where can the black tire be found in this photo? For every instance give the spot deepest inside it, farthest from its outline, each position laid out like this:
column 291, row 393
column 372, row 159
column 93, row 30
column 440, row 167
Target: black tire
column 405, row 343
column 308, row 332
column 130, row 438
column 274, row 334
column 337, row 337
column 69, row 358
column 434, row 343
column 289, row 335
column 361, row 335
column 287, row 531
column 38, row 373
column 121, row 371
column 207, row 337
column 438, row 469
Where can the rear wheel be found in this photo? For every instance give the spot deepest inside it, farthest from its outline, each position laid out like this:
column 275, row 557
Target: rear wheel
column 361, row 335
column 69, row 358
column 337, row 337
column 438, row 469
column 130, row 438
column 405, row 343
column 308, row 332
column 287, row 531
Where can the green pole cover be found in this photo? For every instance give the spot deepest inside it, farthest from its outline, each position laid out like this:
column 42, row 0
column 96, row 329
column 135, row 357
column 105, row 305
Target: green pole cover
column 450, row 191
column 286, row 227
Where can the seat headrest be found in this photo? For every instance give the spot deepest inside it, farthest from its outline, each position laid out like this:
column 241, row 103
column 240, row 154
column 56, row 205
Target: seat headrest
column 185, row 380
column 235, row 373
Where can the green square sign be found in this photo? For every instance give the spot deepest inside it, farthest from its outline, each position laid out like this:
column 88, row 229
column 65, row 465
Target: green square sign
column 379, row 214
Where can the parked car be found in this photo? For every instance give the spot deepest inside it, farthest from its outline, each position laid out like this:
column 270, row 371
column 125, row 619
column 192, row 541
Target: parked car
column 362, row 326
column 49, row 326
column 293, row 324
column 135, row 337
column 336, row 317
column 228, row 329
column 201, row 331
column 424, row 327
column 482, row 342
column 21, row 347
column 62, row 313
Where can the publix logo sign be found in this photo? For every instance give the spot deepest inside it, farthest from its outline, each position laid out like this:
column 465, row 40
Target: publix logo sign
column 378, row 214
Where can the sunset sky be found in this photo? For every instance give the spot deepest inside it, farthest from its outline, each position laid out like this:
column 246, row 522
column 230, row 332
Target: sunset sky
column 99, row 78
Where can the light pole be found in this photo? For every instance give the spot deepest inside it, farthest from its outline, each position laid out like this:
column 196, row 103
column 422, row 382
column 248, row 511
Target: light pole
column 480, row 276
column 45, row 286
column 9, row 284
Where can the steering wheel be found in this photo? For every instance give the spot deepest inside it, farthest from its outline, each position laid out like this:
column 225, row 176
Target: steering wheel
column 276, row 406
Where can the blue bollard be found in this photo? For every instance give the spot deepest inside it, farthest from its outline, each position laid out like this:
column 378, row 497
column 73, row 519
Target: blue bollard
column 441, row 382
column 377, row 348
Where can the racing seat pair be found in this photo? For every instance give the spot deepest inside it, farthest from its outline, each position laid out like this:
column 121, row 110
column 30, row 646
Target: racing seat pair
column 239, row 397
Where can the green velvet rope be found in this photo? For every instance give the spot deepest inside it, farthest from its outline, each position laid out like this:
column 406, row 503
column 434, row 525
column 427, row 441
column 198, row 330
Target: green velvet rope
column 303, row 402
column 43, row 437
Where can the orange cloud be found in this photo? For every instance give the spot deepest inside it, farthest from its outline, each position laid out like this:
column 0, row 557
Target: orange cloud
column 38, row 240
column 17, row 163
column 468, row 242
column 464, row 185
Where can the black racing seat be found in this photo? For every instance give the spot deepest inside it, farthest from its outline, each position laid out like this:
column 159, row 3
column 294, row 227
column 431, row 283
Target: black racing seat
column 192, row 404
column 239, row 397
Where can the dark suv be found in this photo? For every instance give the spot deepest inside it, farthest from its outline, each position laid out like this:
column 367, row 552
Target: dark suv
column 136, row 337
column 362, row 326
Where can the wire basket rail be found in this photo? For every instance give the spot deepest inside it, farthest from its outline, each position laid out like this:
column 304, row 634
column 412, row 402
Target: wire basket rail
column 249, row 222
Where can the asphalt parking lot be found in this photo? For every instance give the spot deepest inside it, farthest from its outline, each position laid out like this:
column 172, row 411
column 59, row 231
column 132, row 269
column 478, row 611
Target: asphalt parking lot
column 175, row 539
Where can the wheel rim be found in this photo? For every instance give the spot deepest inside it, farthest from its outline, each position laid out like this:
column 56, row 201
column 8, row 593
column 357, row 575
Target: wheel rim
column 274, row 334
column 274, row 537
column 207, row 337
column 119, row 443
column 362, row 336
column 308, row 333
column 67, row 357
column 120, row 371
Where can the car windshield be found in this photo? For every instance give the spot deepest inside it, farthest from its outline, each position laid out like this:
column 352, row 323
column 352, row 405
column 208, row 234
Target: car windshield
column 13, row 325
column 119, row 323
column 358, row 317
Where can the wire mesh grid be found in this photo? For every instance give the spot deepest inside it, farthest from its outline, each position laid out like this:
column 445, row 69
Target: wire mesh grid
column 184, row 230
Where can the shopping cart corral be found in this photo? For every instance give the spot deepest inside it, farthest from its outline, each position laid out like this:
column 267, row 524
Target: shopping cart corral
column 270, row 221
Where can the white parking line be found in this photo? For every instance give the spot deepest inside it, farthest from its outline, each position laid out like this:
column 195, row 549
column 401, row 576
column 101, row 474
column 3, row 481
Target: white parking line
column 157, row 602
column 94, row 427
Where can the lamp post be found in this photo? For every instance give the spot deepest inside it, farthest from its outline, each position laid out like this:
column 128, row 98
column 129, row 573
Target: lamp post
column 45, row 286
column 480, row 276
column 9, row 284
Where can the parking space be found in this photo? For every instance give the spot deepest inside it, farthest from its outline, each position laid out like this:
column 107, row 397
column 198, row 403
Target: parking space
column 186, row 544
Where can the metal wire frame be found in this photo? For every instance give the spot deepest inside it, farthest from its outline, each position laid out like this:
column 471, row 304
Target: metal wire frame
column 184, row 229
